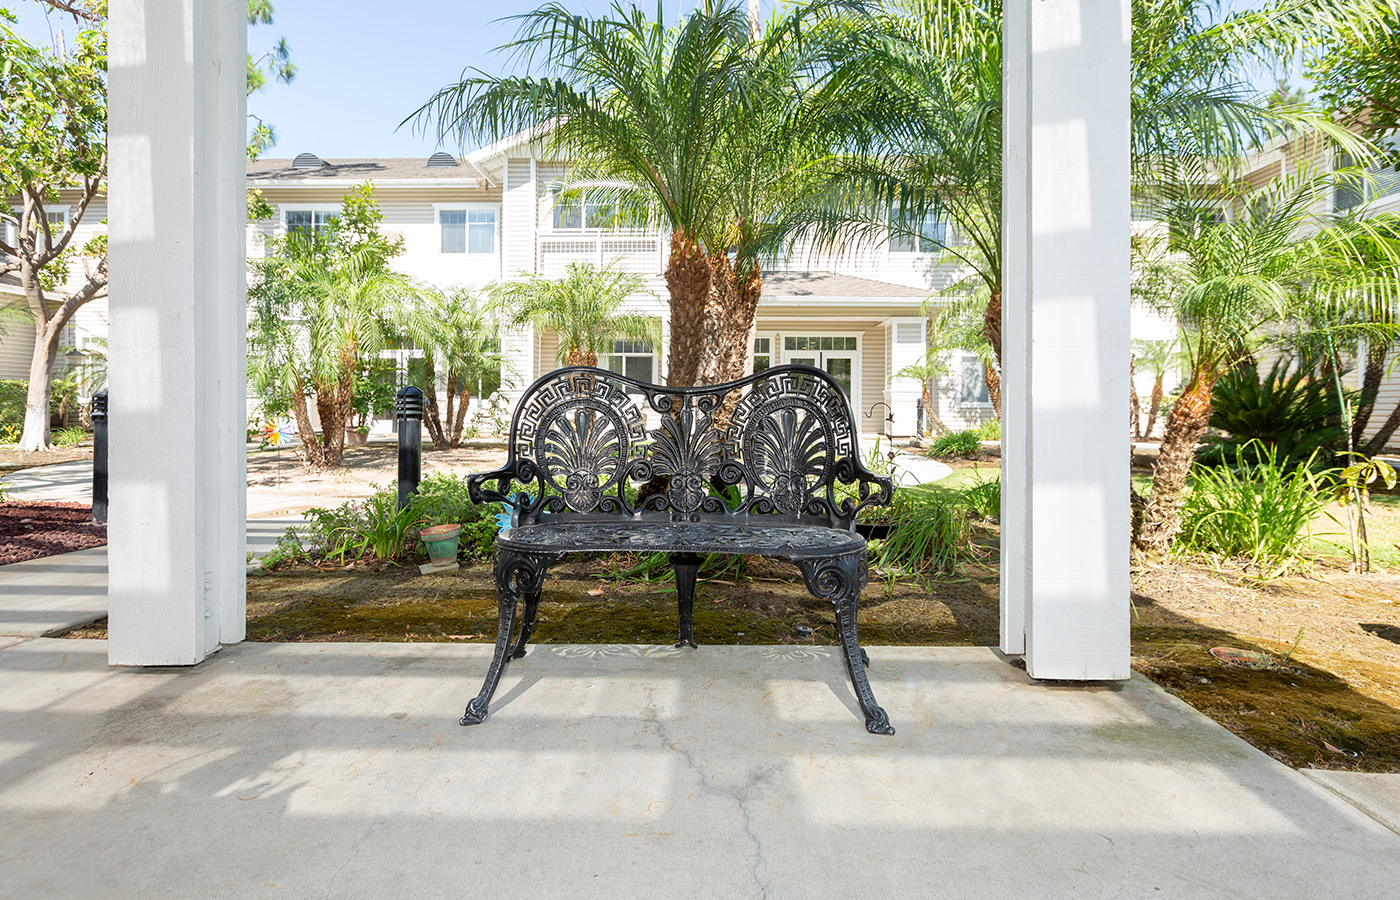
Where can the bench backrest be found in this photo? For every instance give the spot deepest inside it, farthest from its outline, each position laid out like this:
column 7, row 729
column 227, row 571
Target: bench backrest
column 783, row 439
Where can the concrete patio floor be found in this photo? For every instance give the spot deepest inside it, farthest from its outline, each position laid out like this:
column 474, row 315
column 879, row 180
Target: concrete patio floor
column 338, row 770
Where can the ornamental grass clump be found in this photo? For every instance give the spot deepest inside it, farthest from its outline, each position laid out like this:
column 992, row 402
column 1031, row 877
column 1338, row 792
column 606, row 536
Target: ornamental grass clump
column 956, row 443
column 1255, row 509
column 933, row 532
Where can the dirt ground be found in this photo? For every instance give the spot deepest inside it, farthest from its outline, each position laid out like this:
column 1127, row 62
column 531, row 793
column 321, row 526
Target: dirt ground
column 366, row 468
column 12, row 460
column 32, row 530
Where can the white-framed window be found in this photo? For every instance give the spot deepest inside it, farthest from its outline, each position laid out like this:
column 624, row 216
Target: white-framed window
column 762, row 353
column 635, row 359
column 971, row 385
column 466, row 228
column 931, row 233
column 583, row 212
column 308, row 218
column 1384, row 180
column 57, row 219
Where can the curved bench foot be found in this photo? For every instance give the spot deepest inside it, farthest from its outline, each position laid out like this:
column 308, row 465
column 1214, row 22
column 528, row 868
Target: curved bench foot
column 476, row 713
column 683, row 644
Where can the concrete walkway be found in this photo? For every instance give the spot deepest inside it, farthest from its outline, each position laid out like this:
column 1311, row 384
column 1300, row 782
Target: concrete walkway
column 338, row 770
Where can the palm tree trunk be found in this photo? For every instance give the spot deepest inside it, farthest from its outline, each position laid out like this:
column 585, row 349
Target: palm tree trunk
column 1136, row 411
column 576, row 357
column 688, row 279
column 458, row 423
column 991, row 328
column 307, row 434
column 1377, row 443
column 1153, row 405
column 993, row 378
column 1370, row 387
column 432, row 416
column 1189, row 417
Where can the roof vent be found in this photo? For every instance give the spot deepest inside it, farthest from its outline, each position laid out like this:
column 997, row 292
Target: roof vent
column 308, row 161
column 442, row 161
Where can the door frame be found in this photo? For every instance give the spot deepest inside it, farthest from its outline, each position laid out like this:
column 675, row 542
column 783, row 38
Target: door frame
column 857, row 356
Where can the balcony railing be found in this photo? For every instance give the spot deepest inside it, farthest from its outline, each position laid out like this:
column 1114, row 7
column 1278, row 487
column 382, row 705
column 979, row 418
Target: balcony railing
column 638, row 254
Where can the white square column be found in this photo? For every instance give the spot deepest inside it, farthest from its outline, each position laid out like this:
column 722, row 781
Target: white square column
column 176, row 124
column 1065, row 352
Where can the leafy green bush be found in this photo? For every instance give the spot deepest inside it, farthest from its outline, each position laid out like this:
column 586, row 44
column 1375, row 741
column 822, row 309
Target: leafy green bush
column 990, row 430
column 13, row 395
column 442, row 499
column 68, row 436
column 956, row 443
column 1293, row 413
column 1259, row 508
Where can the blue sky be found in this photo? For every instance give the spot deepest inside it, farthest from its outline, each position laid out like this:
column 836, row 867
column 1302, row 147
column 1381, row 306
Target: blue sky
column 365, row 66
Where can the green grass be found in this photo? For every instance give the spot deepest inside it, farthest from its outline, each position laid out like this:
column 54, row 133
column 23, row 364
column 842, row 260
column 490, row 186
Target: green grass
column 959, row 479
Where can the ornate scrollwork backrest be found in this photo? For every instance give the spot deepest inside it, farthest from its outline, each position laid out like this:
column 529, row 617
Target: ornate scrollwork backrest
column 776, row 442
column 577, row 433
column 795, row 436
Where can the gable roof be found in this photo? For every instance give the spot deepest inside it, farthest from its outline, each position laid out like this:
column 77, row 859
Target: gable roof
column 413, row 168
column 830, row 284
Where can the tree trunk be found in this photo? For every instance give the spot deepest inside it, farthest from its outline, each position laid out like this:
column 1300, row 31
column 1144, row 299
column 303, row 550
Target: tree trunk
column 1135, row 413
column 688, row 279
column 1377, row 443
column 35, row 436
column 302, row 412
column 575, row 357
column 1370, row 387
column 1189, row 417
column 460, row 421
column 1153, row 405
column 991, row 327
column 432, row 416
column 993, row 378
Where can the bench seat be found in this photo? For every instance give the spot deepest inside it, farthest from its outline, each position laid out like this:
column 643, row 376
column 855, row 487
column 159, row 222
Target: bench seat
column 663, row 536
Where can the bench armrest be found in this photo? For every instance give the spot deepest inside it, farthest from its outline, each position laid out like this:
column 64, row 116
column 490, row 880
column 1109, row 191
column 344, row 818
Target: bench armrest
column 871, row 490
column 494, row 487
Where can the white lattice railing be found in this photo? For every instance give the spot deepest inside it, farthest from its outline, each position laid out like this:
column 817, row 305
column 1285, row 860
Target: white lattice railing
column 640, row 255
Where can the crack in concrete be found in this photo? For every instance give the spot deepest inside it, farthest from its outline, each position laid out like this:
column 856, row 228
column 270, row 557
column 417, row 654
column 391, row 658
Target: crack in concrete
column 738, row 793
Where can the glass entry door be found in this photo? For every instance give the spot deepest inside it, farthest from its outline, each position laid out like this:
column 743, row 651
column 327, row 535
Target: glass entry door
column 835, row 355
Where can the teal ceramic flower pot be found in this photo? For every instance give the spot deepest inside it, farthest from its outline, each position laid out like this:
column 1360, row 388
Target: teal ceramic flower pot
column 441, row 541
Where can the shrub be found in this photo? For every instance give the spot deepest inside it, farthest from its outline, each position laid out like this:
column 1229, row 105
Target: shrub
column 990, row 430
column 932, row 532
column 442, row 499
column 1258, row 508
column 1295, row 414
column 13, row 395
column 956, row 443
column 69, row 436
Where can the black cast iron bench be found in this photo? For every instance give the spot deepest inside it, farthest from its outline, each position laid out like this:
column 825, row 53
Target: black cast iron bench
column 748, row 467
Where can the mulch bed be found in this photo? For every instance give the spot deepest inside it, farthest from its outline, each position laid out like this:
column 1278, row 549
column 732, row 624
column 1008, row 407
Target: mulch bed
column 33, row 529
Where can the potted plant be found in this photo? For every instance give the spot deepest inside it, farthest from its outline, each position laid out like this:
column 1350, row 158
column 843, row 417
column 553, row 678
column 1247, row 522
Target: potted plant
column 357, row 435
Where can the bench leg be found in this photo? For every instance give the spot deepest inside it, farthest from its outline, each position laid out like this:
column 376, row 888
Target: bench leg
column 840, row 579
column 517, row 575
column 687, row 567
column 527, row 624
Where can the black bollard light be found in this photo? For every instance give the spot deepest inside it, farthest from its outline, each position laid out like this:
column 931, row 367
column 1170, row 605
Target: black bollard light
column 408, row 411
column 99, row 457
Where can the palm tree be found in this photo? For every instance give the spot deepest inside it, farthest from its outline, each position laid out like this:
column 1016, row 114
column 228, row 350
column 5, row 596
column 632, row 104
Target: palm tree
column 926, row 113
column 458, row 337
column 321, row 304
column 1156, row 357
column 708, row 129
column 1235, row 282
column 583, row 308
